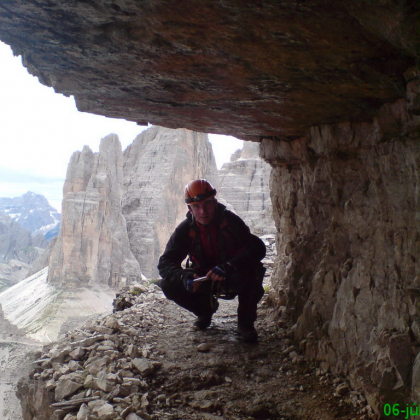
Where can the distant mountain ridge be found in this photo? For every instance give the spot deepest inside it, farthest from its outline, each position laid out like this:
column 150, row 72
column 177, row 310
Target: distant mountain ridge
column 27, row 224
column 32, row 211
column 18, row 249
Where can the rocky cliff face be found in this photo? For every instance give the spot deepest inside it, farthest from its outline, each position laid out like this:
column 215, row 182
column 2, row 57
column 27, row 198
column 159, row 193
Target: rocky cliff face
column 157, row 166
column 92, row 246
column 349, row 243
column 32, row 211
column 263, row 69
column 244, row 184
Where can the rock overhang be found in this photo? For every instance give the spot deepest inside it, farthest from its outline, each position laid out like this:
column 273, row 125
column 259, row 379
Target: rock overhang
column 250, row 69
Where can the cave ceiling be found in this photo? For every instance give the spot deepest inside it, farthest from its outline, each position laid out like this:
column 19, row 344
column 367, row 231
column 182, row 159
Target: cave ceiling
column 252, row 69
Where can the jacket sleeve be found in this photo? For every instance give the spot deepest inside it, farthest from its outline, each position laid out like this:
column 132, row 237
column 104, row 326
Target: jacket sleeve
column 176, row 250
column 252, row 250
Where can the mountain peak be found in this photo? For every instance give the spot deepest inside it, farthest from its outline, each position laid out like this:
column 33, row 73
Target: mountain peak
column 32, row 211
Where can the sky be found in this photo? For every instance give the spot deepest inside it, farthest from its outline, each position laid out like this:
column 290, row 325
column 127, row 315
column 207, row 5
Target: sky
column 40, row 129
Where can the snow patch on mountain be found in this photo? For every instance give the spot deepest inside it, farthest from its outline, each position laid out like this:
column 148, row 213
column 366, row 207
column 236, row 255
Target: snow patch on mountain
column 32, row 211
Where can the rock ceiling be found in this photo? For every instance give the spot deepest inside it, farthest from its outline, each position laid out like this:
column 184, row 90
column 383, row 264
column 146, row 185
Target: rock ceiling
column 251, row 69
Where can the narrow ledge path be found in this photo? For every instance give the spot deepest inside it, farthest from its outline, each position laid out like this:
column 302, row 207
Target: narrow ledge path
column 156, row 367
column 239, row 381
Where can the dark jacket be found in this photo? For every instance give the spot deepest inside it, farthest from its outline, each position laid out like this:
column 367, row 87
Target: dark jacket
column 236, row 245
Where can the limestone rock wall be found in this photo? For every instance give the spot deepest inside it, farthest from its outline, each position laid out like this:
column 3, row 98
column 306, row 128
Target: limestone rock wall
column 244, row 184
column 157, row 166
column 92, row 246
column 347, row 205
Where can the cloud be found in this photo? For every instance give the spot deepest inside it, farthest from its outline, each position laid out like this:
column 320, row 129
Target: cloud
column 224, row 147
column 14, row 176
column 15, row 183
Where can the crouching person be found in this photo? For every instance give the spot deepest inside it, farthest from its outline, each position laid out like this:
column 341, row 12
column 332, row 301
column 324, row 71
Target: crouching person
column 221, row 248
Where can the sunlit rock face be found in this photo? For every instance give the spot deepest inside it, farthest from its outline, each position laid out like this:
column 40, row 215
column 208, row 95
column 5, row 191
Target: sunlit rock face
column 157, row 166
column 256, row 69
column 92, row 246
column 244, row 184
column 346, row 204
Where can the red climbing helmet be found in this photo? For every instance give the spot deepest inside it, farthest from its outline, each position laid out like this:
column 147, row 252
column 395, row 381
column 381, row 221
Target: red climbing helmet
column 198, row 190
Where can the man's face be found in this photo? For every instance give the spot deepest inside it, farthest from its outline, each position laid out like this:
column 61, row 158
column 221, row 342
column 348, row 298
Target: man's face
column 203, row 211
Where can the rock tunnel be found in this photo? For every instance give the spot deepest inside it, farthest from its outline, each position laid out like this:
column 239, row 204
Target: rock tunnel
column 330, row 90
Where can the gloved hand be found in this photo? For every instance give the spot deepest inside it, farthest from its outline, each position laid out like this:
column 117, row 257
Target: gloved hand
column 223, row 270
column 219, row 270
column 188, row 281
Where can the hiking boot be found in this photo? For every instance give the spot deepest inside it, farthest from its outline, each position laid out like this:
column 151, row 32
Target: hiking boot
column 202, row 322
column 248, row 333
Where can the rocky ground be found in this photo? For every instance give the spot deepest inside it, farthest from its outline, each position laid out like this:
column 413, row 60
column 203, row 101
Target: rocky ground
column 146, row 362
